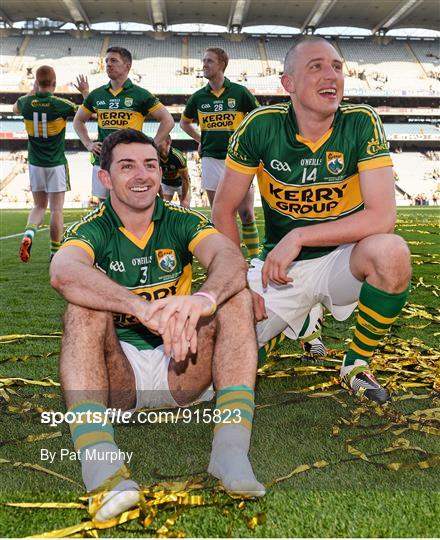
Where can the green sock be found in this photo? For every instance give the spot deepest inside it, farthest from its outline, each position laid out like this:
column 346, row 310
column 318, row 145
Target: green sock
column 271, row 346
column 54, row 247
column 377, row 312
column 30, row 231
column 251, row 238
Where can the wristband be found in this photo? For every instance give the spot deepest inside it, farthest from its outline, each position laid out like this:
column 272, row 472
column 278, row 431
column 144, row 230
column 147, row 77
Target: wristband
column 209, row 297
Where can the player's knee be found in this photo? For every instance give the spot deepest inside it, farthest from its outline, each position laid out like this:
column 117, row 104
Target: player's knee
column 247, row 216
column 393, row 261
column 89, row 319
column 238, row 306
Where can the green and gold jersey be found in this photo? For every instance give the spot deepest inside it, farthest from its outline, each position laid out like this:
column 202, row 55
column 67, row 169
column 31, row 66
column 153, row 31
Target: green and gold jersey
column 154, row 267
column 303, row 182
column 125, row 108
column 45, row 120
column 172, row 167
column 219, row 115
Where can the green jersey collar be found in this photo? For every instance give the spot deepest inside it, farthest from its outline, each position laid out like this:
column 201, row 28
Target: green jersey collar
column 128, row 84
column 226, row 84
column 43, row 94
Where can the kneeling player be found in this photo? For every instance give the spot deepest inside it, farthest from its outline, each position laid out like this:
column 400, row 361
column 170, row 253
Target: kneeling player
column 327, row 186
column 128, row 351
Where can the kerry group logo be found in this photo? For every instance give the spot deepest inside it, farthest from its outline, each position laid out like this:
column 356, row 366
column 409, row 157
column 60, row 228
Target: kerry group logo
column 335, row 162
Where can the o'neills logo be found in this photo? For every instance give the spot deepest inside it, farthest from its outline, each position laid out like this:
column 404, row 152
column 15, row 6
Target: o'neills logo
column 374, row 146
column 312, row 202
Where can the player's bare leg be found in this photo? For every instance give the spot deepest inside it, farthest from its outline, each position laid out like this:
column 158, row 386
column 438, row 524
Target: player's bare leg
column 56, row 204
column 211, row 197
column 35, row 219
column 95, row 374
column 227, row 355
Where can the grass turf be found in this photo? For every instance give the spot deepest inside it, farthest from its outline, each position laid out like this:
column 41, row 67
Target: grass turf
column 350, row 497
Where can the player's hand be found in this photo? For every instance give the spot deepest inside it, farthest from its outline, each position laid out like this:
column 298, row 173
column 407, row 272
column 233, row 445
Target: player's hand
column 82, row 85
column 259, row 307
column 95, row 147
column 276, row 263
column 184, row 312
column 185, row 202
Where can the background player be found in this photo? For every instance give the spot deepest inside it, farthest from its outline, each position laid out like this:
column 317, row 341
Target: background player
column 327, row 185
column 143, row 248
column 175, row 176
column 118, row 104
column 45, row 117
column 218, row 108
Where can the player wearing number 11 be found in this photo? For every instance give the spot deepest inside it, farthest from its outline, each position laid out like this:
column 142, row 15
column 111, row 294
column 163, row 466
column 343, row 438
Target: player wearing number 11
column 45, row 118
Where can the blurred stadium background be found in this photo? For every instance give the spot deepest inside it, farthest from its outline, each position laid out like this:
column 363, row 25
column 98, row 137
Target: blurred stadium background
column 393, row 69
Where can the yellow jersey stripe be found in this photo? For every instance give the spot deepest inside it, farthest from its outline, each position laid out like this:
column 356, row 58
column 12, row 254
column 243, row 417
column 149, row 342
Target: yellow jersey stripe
column 81, row 244
column 239, row 167
column 201, row 236
column 375, row 163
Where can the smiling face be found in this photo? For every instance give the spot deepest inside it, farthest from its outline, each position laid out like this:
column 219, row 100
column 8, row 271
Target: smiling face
column 116, row 67
column 212, row 65
column 314, row 78
column 133, row 178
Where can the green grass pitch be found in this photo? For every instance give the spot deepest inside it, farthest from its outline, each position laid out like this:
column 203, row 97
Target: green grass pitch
column 349, row 497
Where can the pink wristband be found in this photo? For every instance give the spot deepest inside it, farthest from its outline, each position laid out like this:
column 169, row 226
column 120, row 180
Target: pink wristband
column 209, row 297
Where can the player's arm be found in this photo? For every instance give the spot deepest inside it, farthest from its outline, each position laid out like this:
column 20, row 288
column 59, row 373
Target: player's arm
column 79, row 125
column 378, row 216
column 187, row 126
column 166, row 123
column 231, row 191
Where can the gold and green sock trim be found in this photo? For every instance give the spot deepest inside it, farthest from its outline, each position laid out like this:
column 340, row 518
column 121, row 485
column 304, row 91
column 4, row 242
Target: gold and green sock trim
column 86, row 434
column 236, row 404
column 251, row 238
column 378, row 310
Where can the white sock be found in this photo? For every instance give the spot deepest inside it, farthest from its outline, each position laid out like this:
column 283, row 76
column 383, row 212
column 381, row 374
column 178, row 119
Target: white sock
column 230, row 463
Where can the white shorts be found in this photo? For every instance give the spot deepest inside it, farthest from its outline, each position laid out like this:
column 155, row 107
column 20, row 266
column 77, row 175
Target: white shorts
column 170, row 190
column 150, row 369
column 98, row 190
column 326, row 280
column 212, row 172
column 49, row 179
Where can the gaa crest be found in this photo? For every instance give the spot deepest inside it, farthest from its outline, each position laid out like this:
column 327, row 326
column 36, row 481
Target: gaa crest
column 335, row 162
column 128, row 101
column 166, row 259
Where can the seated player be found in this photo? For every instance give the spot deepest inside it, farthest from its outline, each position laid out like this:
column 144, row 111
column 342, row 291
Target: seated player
column 326, row 181
column 175, row 177
column 134, row 336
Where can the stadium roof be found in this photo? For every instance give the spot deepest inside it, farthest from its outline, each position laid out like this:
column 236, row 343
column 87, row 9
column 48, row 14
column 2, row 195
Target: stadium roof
column 375, row 15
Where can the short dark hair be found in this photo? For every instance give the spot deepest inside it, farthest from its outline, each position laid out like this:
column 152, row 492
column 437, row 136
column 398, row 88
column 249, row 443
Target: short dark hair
column 122, row 136
column 124, row 53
